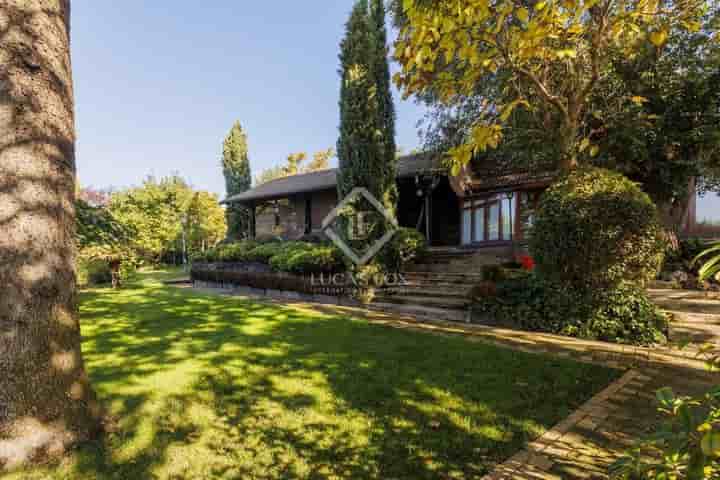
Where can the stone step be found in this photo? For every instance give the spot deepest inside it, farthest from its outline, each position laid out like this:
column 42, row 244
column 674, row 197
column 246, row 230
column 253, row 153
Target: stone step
column 443, row 268
column 429, row 290
column 434, row 302
column 430, row 313
column 425, row 277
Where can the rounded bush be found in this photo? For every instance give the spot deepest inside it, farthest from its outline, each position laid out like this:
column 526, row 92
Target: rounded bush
column 595, row 229
column 406, row 246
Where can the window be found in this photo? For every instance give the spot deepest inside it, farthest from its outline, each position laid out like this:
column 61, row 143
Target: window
column 479, row 224
column 488, row 219
column 467, row 227
column 494, row 222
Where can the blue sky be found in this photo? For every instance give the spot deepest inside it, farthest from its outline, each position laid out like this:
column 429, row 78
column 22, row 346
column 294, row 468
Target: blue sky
column 158, row 84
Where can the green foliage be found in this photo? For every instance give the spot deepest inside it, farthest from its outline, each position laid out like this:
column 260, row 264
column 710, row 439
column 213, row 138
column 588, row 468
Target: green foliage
column 547, row 58
column 270, row 174
column 307, row 258
column 263, row 253
column 406, row 246
column 293, row 166
column 289, row 257
column 595, row 229
column 227, row 252
column 669, row 135
column 686, row 444
column 161, row 213
column 711, row 266
column 683, row 257
column 621, row 315
column 98, row 226
column 236, row 169
column 651, row 115
column 104, row 246
column 92, row 271
column 366, row 145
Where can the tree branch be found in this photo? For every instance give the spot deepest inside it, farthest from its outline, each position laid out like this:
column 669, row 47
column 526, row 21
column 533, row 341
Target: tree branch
column 552, row 99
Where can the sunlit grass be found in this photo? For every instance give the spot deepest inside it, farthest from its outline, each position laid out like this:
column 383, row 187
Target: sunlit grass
column 215, row 387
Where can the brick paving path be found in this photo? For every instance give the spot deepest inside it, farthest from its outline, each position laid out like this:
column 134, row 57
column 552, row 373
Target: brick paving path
column 584, row 444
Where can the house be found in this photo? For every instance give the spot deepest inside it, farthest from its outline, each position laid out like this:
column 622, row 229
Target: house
column 473, row 209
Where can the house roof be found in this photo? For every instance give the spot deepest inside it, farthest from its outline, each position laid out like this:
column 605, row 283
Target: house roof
column 408, row 166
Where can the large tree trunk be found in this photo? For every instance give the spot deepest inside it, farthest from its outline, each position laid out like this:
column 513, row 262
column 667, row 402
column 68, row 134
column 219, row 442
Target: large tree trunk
column 46, row 403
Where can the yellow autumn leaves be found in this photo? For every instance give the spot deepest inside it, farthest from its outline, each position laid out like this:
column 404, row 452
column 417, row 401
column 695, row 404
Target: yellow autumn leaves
column 451, row 48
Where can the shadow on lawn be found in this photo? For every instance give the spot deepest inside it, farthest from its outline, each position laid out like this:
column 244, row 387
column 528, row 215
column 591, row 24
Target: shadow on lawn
column 297, row 396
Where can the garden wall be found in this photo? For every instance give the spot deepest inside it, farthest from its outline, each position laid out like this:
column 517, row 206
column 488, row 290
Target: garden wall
column 259, row 280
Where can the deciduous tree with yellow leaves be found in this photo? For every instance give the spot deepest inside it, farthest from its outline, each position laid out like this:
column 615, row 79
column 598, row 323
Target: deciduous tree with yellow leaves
column 546, row 57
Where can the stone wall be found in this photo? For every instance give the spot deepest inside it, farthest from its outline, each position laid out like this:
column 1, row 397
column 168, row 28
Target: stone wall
column 291, row 212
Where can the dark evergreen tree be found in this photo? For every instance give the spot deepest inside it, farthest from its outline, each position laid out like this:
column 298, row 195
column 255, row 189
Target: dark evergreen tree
column 366, row 146
column 238, row 179
column 386, row 107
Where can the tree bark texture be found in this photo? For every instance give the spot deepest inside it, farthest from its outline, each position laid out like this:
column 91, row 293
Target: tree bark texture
column 46, row 402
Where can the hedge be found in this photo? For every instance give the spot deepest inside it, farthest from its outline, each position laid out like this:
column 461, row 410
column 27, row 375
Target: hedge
column 313, row 256
column 290, row 257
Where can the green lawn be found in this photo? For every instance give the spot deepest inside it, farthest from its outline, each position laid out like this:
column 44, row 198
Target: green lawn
column 216, row 387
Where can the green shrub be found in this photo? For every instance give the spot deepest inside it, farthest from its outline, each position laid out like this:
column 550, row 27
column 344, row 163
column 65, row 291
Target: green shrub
column 307, row 258
column 93, row 272
column 226, row 252
column 294, row 257
column 682, row 258
column 493, row 273
column 622, row 315
column 264, row 252
column 406, row 246
column 595, row 229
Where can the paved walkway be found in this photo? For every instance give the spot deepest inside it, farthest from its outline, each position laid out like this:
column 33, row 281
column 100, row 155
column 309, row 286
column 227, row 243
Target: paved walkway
column 583, row 445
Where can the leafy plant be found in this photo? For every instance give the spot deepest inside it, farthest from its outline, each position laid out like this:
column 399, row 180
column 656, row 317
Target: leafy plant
column 686, row 445
column 596, row 229
column 104, row 251
column 290, row 257
column 406, row 246
column 621, row 315
column 711, row 266
column 683, row 257
column 307, row 258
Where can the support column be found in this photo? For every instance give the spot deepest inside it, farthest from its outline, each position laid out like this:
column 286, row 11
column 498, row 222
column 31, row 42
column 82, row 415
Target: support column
column 252, row 221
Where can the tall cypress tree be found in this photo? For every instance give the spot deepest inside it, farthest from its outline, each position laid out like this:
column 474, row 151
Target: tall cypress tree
column 386, row 107
column 238, row 179
column 366, row 146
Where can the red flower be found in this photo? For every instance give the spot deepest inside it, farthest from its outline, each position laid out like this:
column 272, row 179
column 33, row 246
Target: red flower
column 527, row 262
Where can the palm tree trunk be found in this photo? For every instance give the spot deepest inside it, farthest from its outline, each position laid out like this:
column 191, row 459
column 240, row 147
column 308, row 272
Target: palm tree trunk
column 46, row 402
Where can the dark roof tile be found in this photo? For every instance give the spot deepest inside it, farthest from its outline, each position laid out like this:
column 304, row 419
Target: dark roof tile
column 408, row 166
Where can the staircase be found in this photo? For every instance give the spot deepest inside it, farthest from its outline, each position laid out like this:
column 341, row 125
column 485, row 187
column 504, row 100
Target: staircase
column 438, row 285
